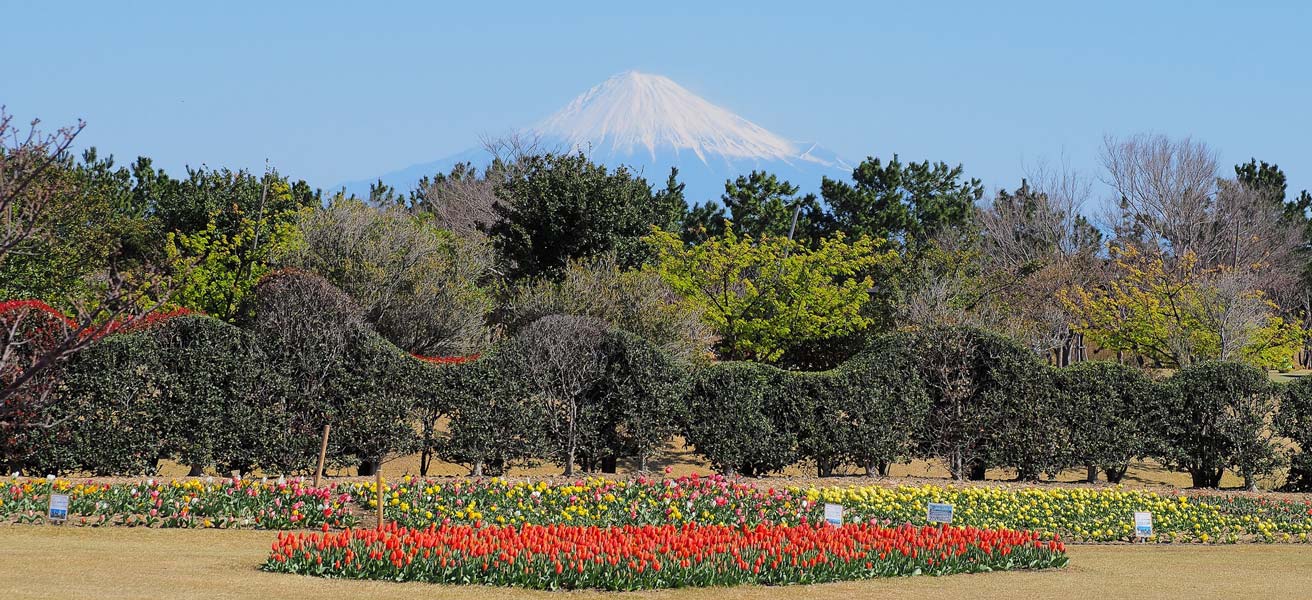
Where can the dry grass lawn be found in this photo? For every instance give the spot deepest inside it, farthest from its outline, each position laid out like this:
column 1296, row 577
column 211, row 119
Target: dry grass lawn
column 71, row 563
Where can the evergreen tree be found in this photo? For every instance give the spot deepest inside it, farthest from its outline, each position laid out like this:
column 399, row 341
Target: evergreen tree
column 909, row 202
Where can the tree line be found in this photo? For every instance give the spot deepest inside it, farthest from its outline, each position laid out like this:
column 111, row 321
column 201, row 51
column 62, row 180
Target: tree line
column 575, row 392
column 1188, row 264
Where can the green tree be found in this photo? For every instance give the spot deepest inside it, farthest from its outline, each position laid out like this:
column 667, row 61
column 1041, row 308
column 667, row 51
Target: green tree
column 762, row 296
column 219, row 259
column 564, row 206
column 761, row 205
column 910, row 202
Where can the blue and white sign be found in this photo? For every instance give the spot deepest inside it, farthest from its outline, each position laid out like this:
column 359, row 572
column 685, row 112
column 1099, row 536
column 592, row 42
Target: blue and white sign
column 58, row 507
column 834, row 514
column 939, row 513
column 1143, row 525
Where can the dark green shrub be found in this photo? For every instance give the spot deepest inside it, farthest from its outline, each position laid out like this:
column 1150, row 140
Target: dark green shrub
column 108, row 413
column 744, row 418
column 642, row 389
column 372, row 398
column 224, row 406
column 875, row 407
column 1294, row 421
column 492, row 426
column 1213, row 416
column 1106, row 409
column 992, row 403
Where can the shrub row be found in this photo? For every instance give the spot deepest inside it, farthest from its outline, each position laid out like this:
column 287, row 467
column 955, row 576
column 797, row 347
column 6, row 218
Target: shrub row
column 976, row 401
column 569, row 390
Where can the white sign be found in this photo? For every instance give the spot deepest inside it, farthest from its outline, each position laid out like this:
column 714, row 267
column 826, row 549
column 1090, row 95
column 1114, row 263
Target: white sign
column 1143, row 524
column 58, row 507
column 938, row 513
column 834, row 514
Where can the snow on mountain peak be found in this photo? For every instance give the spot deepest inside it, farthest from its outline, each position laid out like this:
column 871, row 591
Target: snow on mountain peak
column 649, row 124
column 633, row 111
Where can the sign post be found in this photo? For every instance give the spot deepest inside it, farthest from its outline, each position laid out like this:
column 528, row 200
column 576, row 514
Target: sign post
column 58, row 512
column 938, row 512
column 1143, row 525
column 834, row 514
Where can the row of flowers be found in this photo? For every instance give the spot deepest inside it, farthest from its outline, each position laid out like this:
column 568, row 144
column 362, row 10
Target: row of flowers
column 1076, row 514
column 632, row 557
column 221, row 503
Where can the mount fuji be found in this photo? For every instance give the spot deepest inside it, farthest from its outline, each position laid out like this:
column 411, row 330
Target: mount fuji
column 649, row 123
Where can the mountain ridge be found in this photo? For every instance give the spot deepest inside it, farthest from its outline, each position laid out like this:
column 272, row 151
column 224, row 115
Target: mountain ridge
column 649, row 123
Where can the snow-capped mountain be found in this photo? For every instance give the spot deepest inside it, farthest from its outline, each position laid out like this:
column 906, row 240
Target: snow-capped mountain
column 650, row 123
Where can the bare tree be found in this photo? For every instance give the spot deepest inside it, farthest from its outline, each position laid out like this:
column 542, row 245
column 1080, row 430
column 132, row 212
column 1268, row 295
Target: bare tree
column 29, row 178
column 639, row 302
column 418, row 285
column 34, row 187
column 463, row 200
column 1251, row 233
column 1167, row 187
column 561, row 358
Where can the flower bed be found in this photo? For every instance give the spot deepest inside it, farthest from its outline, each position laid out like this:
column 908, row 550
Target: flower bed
column 192, row 503
column 646, row 557
column 1077, row 514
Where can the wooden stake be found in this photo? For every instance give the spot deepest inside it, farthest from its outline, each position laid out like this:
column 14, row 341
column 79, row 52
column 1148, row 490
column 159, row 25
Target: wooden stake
column 378, row 479
column 323, row 453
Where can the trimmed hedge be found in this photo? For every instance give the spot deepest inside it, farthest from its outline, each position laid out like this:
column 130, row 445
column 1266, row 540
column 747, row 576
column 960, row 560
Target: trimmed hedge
column 1294, row 421
column 211, row 395
column 1106, row 408
column 745, row 417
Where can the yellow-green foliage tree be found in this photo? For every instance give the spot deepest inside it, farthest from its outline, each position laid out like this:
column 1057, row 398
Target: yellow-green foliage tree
column 763, row 295
column 1175, row 312
column 217, row 266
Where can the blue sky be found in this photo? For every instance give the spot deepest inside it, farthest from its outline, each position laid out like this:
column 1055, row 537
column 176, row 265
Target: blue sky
column 331, row 92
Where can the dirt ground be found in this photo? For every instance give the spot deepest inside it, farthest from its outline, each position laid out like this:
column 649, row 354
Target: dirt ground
column 118, row 563
column 681, row 460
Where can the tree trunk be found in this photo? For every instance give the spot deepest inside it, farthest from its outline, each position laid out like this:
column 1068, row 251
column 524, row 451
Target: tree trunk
column 642, row 463
column 883, row 468
column 196, row 471
column 977, row 471
column 367, row 468
column 569, row 461
column 477, row 471
column 1115, row 474
column 1092, row 476
column 425, row 459
column 610, row 465
column 1206, row 478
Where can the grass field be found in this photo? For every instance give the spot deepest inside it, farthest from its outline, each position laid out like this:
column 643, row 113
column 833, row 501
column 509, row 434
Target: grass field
column 71, row 563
